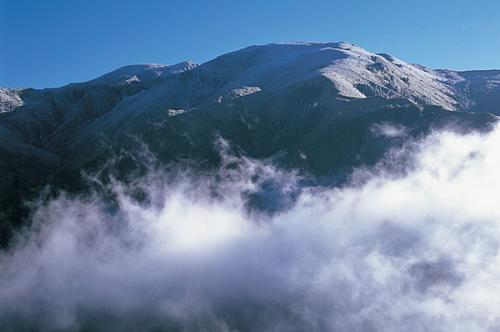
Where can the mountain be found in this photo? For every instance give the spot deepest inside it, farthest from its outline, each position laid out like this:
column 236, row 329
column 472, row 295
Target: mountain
column 321, row 108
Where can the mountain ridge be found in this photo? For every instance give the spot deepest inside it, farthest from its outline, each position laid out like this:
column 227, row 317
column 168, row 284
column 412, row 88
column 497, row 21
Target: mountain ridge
column 354, row 71
column 321, row 108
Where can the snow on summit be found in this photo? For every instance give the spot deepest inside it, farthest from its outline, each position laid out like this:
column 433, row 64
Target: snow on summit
column 141, row 72
column 355, row 72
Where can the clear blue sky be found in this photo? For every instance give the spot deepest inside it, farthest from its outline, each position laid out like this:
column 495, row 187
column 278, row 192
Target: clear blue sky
column 55, row 42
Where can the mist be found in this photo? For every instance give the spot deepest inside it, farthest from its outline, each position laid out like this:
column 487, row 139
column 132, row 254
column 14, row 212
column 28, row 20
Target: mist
column 410, row 244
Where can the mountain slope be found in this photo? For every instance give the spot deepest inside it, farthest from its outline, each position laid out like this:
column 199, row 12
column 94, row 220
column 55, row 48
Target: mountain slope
column 321, row 108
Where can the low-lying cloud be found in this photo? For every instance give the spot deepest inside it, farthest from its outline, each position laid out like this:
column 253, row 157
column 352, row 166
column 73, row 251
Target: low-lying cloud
column 417, row 251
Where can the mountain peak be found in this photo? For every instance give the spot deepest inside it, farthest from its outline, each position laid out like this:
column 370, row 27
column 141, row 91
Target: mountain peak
column 354, row 72
column 141, row 72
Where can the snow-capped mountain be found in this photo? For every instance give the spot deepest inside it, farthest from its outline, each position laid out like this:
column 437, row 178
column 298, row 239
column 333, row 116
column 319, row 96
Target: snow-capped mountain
column 320, row 107
column 353, row 71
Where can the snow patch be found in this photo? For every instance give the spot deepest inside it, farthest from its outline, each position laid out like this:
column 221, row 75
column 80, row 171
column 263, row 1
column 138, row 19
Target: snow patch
column 243, row 91
column 175, row 112
column 132, row 79
column 9, row 99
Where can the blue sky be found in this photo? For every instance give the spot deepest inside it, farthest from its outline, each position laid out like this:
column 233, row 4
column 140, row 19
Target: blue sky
column 52, row 43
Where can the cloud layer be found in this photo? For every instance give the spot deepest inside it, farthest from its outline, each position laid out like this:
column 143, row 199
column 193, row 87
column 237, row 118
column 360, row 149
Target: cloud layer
column 416, row 251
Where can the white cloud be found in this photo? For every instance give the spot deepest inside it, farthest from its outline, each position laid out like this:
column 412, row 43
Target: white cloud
column 414, row 252
column 390, row 130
